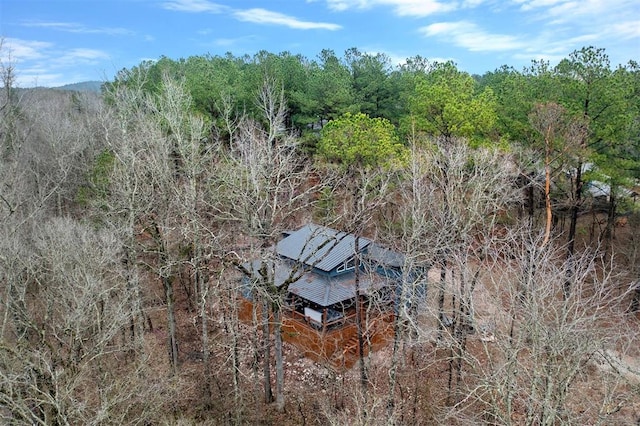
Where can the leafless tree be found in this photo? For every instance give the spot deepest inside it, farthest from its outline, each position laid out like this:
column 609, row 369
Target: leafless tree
column 144, row 135
column 193, row 163
column 62, row 328
column 51, row 148
column 453, row 199
column 123, row 126
column 267, row 185
column 545, row 342
column 9, row 102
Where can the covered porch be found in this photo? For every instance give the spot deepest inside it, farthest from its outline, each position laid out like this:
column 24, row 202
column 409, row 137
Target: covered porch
column 333, row 340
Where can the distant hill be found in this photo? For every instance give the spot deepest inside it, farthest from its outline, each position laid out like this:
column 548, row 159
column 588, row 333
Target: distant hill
column 84, row 86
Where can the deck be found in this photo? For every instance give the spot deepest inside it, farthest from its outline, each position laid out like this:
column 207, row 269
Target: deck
column 335, row 344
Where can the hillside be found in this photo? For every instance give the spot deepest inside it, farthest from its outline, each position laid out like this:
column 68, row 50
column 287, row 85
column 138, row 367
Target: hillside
column 142, row 281
column 84, row 86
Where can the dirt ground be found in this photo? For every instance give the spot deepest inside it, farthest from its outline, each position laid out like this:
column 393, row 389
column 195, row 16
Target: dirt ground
column 608, row 389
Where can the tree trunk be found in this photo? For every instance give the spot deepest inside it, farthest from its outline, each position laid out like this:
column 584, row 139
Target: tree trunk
column 231, row 328
column 532, row 200
column 454, row 351
column 571, row 240
column 393, row 369
column 635, row 302
column 167, row 284
column 465, row 323
column 136, row 323
column 266, row 360
column 398, row 329
column 203, row 292
column 441, row 293
column 360, row 331
column 277, row 336
column 611, row 220
column 171, row 322
column 359, row 318
column 547, row 191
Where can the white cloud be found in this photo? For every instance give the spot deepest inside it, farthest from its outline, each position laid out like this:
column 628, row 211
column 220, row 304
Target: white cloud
column 417, row 8
column 586, row 13
column 255, row 15
column 588, row 21
column 86, row 54
column 341, row 5
column 469, row 36
column 195, row 6
column 535, row 4
column 72, row 27
column 43, row 64
column 472, row 3
column 17, row 50
column 229, row 42
column 570, row 10
column 626, row 30
column 263, row 16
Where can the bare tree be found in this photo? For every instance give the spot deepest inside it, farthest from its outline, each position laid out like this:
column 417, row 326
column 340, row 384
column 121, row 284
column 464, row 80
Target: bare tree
column 62, row 331
column 9, row 102
column 544, row 340
column 452, row 201
column 52, row 143
column 143, row 135
column 561, row 135
column 266, row 183
column 127, row 194
column 467, row 191
column 193, row 161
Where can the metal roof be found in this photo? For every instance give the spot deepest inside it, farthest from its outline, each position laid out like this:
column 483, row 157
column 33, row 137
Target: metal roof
column 317, row 288
column 325, row 291
column 320, row 247
column 386, row 257
column 280, row 270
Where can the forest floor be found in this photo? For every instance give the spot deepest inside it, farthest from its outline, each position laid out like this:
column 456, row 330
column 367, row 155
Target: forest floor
column 315, row 394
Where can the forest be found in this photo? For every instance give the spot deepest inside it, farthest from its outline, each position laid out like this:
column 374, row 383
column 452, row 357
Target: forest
column 127, row 217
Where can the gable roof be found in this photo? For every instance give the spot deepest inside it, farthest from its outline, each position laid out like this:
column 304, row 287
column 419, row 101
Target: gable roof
column 317, row 288
column 302, row 256
column 320, row 247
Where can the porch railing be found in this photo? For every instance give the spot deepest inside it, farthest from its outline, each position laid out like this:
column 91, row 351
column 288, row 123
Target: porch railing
column 349, row 318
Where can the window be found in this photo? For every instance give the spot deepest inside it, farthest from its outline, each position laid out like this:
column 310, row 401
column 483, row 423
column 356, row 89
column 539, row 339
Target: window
column 334, row 315
column 346, row 266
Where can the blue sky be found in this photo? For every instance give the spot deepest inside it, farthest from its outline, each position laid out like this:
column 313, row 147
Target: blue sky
column 55, row 42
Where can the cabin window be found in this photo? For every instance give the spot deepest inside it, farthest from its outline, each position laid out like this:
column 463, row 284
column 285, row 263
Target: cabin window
column 346, row 266
column 334, row 315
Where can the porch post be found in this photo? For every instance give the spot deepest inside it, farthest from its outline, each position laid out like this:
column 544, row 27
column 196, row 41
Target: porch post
column 324, row 320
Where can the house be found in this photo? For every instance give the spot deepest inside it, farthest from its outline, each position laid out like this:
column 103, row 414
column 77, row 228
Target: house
column 322, row 274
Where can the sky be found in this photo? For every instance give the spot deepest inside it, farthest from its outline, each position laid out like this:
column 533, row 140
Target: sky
column 55, row 42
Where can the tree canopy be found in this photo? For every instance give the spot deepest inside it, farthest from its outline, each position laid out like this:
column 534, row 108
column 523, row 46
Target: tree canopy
column 361, row 140
column 448, row 103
